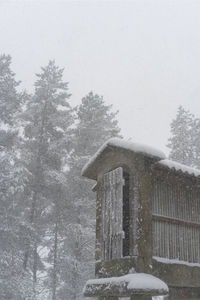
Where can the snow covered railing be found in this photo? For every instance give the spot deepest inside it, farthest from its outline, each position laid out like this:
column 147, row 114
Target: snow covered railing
column 126, row 286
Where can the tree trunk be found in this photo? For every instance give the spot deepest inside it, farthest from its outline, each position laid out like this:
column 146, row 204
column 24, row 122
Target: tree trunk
column 37, row 181
column 54, row 284
column 32, row 214
column 35, row 269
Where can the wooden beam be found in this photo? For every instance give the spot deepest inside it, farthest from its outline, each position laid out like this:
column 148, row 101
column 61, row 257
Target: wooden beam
column 175, row 221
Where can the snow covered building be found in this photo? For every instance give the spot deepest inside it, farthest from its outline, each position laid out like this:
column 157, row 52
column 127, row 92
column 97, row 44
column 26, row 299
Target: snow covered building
column 147, row 216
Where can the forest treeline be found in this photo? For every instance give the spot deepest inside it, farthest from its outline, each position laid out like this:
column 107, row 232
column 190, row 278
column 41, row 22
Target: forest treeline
column 47, row 210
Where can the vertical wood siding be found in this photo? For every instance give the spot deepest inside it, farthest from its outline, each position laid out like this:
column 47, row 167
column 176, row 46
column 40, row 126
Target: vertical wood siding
column 112, row 213
column 176, row 221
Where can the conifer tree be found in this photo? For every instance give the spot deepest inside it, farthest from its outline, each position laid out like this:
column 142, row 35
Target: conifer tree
column 14, row 282
column 47, row 120
column 96, row 123
column 10, row 99
column 181, row 142
column 196, row 143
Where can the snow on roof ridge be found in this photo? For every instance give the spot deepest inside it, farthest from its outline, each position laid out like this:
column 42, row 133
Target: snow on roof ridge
column 179, row 167
column 128, row 145
column 136, row 147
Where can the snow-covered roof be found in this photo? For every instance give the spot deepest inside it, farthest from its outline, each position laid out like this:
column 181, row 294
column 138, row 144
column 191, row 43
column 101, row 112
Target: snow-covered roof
column 148, row 151
column 179, row 167
column 127, row 285
column 127, row 145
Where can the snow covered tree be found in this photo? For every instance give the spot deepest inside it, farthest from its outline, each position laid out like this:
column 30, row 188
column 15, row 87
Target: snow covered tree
column 47, row 120
column 96, row 123
column 181, row 142
column 10, row 99
column 14, row 282
column 196, row 143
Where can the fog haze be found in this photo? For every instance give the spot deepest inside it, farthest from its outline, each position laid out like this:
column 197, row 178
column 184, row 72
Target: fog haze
column 142, row 56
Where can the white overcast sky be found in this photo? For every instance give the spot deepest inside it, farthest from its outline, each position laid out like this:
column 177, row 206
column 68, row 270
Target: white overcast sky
column 142, row 56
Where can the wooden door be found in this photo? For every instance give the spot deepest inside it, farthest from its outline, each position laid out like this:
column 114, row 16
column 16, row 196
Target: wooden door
column 112, row 214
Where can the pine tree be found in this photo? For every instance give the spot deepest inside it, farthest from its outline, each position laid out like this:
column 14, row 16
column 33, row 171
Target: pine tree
column 10, row 99
column 96, row 123
column 181, row 142
column 47, row 118
column 196, row 143
column 14, row 283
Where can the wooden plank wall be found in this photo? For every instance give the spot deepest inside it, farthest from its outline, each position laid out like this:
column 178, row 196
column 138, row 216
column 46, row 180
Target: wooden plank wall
column 112, row 213
column 176, row 221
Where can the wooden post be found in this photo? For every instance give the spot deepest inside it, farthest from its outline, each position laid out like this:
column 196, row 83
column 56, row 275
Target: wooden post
column 143, row 226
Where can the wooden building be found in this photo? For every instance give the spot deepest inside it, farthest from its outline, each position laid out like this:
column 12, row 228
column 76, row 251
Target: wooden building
column 147, row 216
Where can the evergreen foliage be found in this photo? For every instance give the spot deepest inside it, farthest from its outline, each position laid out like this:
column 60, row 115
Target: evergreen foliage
column 184, row 142
column 47, row 120
column 47, row 209
column 181, row 142
column 96, row 123
column 14, row 282
column 9, row 98
column 196, row 141
column 47, row 217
